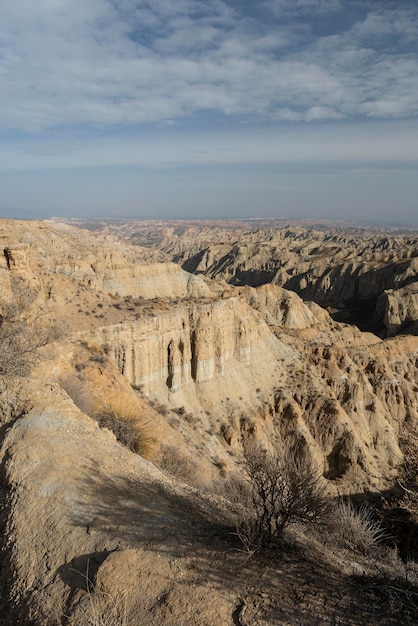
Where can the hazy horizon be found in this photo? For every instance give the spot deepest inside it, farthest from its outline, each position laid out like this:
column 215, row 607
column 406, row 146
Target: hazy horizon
column 294, row 109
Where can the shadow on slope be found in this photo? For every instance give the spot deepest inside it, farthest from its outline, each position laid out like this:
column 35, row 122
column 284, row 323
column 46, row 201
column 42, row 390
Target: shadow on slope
column 137, row 511
column 296, row 585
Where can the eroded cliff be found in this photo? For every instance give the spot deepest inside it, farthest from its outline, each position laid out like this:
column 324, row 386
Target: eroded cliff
column 345, row 269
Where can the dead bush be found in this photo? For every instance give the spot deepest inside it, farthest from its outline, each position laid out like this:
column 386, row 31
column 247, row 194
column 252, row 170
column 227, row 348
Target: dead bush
column 408, row 473
column 97, row 353
column 23, row 331
column 281, row 491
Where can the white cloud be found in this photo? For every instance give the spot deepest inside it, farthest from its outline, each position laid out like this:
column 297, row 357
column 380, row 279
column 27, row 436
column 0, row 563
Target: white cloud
column 73, row 62
column 302, row 7
column 383, row 22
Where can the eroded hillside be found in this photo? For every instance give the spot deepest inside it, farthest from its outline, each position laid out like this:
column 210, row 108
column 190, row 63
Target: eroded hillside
column 362, row 276
column 198, row 369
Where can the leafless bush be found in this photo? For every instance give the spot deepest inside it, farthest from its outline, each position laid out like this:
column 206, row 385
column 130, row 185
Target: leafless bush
column 22, row 331
column 282, row 491
column 354, row 529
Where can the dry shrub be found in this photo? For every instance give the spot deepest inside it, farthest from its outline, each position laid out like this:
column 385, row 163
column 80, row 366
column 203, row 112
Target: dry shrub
column 97, row 353
column 281, row 491
column 120, row 415
column 22, row 331
column 354, row 529
column 399, row 509
column 178, row 465
column 126, row 424
column 408, row 473
column 104, row 610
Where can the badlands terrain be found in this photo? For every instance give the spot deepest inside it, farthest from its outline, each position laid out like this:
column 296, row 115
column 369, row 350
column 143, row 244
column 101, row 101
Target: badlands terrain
column 142, row 359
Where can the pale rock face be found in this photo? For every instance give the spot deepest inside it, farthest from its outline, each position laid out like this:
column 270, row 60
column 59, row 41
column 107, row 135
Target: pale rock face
column 99, row 265
column 399, row 310
column 191, row 343
column 149, row 281
column 284, row 308
column 117, row 277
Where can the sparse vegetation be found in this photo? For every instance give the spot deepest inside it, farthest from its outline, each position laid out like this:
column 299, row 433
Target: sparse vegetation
column 105, row 612
column 400, row 508
column 354, row 528
column 103, row 609
column 408, row 475
column 22, row 332
column 97, row 353
column 281, row 491
column 177, row 464
column 118, row 414
column 123, row 420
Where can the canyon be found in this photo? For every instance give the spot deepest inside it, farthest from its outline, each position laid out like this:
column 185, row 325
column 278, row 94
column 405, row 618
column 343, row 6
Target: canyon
column 215, row 336
column 363, row 276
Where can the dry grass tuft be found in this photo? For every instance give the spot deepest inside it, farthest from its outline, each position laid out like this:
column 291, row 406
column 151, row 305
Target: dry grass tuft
column 355, row 529
column 105, row 610
column 124, row 420
column 118, row 413
column 178, row 465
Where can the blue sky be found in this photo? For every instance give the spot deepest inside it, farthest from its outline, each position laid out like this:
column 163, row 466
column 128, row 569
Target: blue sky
column 227, row 108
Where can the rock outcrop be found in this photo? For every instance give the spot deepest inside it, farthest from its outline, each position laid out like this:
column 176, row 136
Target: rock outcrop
column 191, row 342
column 399, row 310
column 75, row 504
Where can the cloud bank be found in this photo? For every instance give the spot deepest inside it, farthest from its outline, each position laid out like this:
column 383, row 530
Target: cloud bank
column 77, row 63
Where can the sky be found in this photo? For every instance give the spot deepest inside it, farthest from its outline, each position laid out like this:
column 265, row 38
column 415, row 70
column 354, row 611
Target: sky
column 209, row 109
